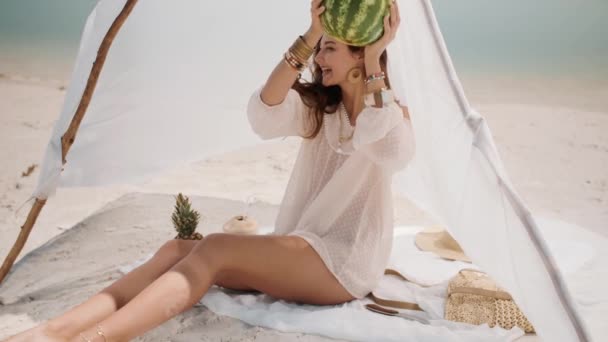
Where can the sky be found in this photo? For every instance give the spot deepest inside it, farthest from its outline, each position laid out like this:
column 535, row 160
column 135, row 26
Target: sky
column 541, row 36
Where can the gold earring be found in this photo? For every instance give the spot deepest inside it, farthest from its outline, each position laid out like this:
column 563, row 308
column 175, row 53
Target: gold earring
column 355, row 75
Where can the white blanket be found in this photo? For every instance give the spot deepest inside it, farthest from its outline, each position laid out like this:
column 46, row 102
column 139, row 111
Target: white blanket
column 351, row 321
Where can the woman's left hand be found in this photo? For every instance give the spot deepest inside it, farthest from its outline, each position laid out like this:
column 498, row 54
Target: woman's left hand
column 391, row 24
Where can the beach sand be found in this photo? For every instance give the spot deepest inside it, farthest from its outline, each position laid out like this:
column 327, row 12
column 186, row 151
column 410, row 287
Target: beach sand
column 551, row 134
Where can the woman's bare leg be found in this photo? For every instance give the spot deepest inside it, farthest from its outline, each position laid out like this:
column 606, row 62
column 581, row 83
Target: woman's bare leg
column 285, row 267
column 113, row 297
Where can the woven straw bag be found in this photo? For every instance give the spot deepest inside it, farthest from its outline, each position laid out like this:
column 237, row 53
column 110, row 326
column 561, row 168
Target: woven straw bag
column 472, row 297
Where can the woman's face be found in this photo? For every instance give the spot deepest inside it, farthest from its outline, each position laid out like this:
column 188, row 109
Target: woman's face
column 336, row 60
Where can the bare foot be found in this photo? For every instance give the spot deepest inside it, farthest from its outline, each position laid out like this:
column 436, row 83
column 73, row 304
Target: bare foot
column 36, row 334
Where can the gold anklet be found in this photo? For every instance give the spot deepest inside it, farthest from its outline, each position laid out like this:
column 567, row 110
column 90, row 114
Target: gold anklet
column 100, row 333
column 84, row 338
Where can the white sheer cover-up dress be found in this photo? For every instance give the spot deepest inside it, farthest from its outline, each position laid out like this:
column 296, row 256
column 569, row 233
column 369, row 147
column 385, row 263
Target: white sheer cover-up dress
column 339, row 198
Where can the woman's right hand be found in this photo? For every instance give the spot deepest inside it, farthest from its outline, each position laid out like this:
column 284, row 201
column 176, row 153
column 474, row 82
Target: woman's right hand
column 316, row 9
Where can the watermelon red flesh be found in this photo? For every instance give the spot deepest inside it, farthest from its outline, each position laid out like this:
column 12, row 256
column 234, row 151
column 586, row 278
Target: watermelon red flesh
column 355, row 22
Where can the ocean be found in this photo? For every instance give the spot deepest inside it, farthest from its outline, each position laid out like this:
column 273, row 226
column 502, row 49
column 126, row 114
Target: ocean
column 39, row 38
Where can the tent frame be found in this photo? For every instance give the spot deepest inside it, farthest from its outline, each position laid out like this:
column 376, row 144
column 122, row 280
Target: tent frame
column 68, row 138
column 476, row 124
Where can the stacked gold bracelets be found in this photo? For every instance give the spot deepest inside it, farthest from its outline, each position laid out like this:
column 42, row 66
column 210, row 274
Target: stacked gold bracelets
column 298, row 54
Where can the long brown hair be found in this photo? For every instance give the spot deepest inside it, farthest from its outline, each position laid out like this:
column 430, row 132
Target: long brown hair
column 322, row 99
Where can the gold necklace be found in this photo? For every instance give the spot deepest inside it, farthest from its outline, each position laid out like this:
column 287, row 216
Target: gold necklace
column 342, row 110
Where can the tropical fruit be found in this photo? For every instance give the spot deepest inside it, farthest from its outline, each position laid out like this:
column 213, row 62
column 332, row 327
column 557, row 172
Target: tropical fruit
column 355, row 22
column 185, row 219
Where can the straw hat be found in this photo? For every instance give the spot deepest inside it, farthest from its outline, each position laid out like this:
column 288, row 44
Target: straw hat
column 436, row 240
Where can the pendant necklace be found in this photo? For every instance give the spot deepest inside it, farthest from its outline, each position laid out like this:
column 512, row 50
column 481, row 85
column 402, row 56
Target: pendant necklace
column 342, row 111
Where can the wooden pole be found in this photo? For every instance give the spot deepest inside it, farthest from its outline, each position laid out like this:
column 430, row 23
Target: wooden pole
column 69, row 136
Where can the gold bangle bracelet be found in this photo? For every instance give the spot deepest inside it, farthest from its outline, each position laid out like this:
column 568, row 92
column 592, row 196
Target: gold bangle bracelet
column 301, row 45
column 305, row 43
column 299, row 56
column 297, row 60
column 290, row 65
column 293, row 62
column 301, row 50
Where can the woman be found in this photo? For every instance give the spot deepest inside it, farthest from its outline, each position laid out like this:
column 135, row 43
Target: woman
column 334, row 230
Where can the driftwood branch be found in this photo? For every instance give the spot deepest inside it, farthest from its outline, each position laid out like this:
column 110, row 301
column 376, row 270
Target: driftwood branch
column 70, row 135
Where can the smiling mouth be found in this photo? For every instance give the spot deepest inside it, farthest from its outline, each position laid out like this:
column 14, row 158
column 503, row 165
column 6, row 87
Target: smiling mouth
column 326, row 71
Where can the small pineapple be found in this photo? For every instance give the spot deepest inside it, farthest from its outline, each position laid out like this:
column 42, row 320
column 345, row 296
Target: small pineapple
column 185, row 219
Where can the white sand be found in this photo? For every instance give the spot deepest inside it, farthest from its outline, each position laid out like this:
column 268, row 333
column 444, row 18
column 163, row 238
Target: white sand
column 551, row 135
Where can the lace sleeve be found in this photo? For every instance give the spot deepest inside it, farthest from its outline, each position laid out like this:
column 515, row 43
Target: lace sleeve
column 284, row 119
column 385, row 136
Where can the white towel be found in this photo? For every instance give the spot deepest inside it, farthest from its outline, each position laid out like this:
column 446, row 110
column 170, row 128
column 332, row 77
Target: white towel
column 351, row 321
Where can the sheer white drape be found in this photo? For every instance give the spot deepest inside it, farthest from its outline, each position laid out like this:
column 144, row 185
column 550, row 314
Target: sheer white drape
column 458, row 176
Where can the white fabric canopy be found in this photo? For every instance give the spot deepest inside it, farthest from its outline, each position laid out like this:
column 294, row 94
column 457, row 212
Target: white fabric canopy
column 175, row 87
